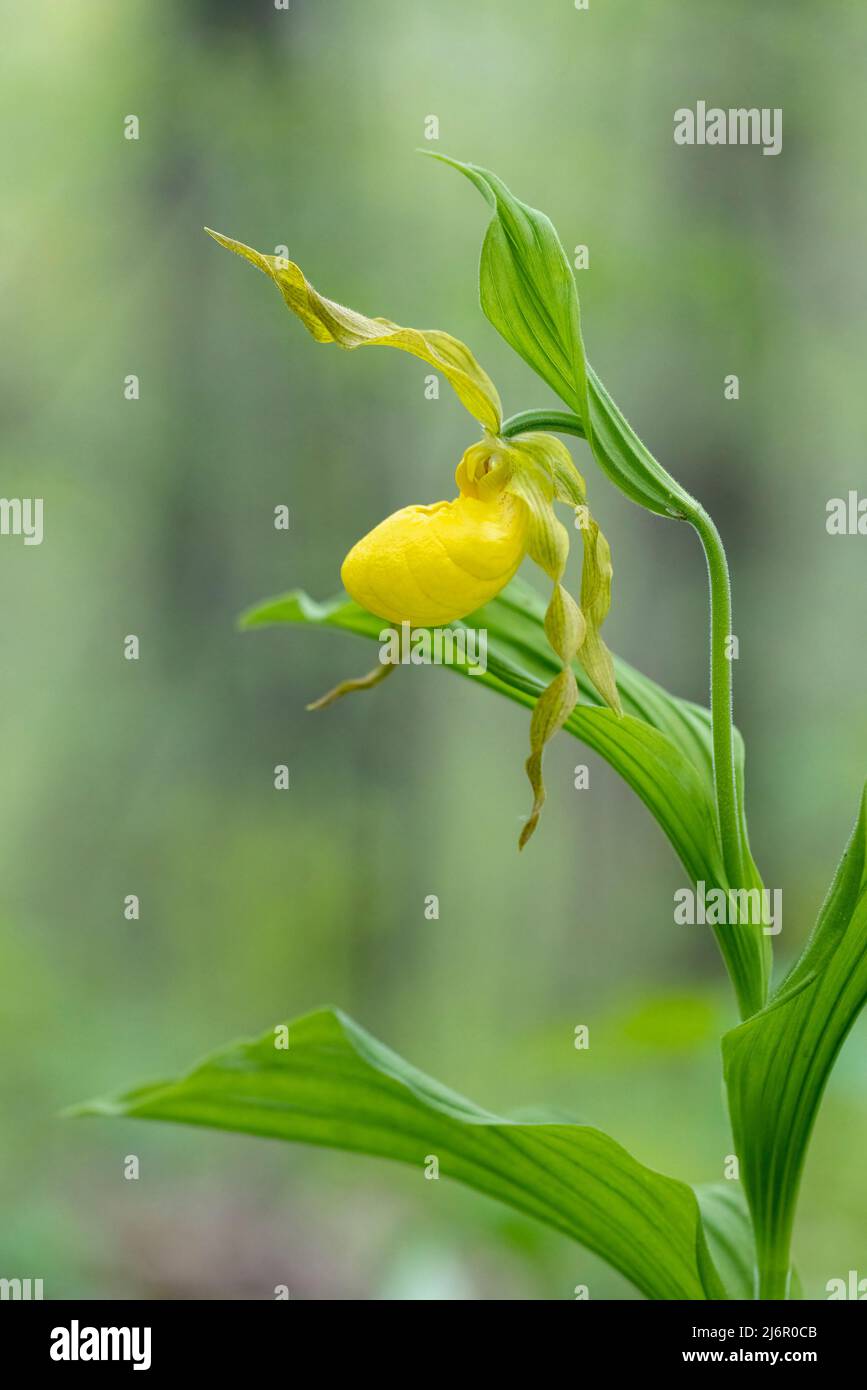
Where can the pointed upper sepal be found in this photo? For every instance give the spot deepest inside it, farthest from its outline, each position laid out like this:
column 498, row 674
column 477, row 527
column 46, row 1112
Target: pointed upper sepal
column 527, row 290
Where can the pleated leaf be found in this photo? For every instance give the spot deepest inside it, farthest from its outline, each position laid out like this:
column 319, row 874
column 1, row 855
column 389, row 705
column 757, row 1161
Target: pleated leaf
column 777, row 1063
column 336, row 1086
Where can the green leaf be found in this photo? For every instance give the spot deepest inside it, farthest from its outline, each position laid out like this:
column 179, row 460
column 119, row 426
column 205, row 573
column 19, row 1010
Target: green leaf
column 729, row 1234
column 528, row 292
column 527, row 289
column 661, row 746
column 778, row 1062
column 335, row 1085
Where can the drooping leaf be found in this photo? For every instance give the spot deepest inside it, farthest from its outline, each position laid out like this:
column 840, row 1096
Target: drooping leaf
column 334, row 1085
column 778, row 1062
column 528, row 292
column 661, row 746
column 330, row 322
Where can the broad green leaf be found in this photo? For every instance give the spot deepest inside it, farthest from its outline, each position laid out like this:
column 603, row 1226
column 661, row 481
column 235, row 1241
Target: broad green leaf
column 661, row 746
column 335, row 1085
column 528, row 292
column 778, row 1062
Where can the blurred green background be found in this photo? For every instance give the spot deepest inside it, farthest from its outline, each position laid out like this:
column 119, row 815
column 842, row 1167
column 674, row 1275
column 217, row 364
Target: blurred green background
column 155, row 778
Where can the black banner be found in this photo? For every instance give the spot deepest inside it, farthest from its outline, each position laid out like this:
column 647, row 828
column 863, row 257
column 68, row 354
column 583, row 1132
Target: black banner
column 83, row 1338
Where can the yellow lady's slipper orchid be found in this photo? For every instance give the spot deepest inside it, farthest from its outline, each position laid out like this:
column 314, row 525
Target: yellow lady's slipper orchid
column 431, row 565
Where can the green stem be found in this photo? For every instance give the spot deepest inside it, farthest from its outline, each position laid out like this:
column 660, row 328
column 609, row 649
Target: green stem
column 774, row 1274
column 721, row 694
column 557, row 421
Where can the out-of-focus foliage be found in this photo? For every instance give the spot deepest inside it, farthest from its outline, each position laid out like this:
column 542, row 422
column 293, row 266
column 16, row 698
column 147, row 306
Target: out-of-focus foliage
column 156, row 778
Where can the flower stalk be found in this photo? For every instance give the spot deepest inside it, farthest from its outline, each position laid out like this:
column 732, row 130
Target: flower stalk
column 752, row 993
column 721, row 696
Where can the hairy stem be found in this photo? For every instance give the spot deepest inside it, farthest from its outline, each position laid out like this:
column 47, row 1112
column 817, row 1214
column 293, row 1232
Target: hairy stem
column 555, row 421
